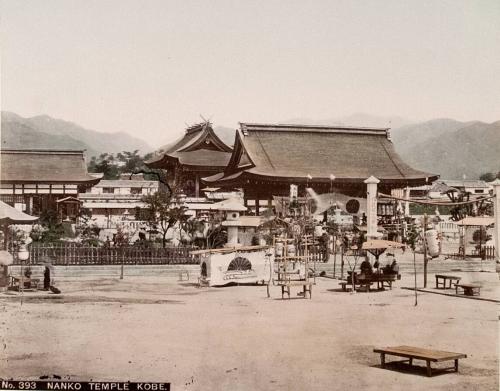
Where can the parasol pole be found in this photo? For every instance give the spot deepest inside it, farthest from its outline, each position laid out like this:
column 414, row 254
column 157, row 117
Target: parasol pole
column 415, row 275
column 425, row 251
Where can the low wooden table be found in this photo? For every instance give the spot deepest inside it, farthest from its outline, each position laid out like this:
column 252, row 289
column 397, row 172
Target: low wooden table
column 306, row 287
column 442, row 278
column 468, row 289
column 29, row 283
column 414, row 353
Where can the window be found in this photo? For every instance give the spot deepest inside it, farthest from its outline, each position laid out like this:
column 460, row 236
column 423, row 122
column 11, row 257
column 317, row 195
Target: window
column 478, row 191
column 108, row 190
column 136, row 190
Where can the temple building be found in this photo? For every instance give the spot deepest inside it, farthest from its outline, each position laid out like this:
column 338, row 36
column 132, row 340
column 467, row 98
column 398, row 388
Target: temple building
column 268, row 158
column 199, row 153
column 36, row 181
column 115, row 202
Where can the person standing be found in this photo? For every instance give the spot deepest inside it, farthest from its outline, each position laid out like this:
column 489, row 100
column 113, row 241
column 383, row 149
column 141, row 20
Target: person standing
column 46, row 278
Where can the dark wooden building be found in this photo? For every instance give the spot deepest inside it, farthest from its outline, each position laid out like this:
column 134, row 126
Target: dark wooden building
column 40, row 180
column 199, row 153
column 266, row 159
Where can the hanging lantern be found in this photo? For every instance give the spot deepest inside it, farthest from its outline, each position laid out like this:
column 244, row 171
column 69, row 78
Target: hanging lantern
column 23, row 254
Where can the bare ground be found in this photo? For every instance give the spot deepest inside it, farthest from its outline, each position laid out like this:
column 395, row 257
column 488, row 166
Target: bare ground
column 235, row 338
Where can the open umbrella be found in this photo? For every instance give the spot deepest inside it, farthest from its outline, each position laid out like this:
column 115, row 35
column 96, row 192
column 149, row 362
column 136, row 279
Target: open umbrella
column 10, row 215
column 378, row 246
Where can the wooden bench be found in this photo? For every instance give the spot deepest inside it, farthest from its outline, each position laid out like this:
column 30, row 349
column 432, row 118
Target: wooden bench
column 414, row 353
column 385, row 280
column 360, row 283
column 468, row 289
column 442, row 278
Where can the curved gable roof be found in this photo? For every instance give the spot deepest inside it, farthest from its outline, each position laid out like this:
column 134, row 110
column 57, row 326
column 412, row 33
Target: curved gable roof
column 199, row 147
column 296, row 151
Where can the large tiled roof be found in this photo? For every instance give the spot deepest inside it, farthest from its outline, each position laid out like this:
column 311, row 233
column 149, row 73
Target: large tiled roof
column 44, row 166
column 200, row 147
column 126, row 183
column 465, row 183
column 294, row 152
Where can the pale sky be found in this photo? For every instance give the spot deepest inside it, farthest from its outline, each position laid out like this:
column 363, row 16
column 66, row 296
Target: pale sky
column 149, row 67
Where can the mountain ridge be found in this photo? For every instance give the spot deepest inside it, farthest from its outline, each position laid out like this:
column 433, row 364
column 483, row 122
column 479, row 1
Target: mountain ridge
column 43, row 131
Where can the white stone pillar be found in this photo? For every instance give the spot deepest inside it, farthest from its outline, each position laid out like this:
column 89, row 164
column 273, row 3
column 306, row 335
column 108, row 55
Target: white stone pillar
column 496, row 216
column 371, row 207
column 407, row 204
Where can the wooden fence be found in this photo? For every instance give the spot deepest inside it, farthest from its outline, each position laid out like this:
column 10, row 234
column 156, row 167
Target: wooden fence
column 487, row 252
column 130, row 255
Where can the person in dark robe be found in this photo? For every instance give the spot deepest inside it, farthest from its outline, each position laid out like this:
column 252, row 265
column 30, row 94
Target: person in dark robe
column 46, row 278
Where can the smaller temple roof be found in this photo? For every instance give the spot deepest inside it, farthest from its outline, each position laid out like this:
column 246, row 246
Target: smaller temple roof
column 482, row 221
column 44, row 166
column 200, row 147
column 301, row 152
column 230, row 205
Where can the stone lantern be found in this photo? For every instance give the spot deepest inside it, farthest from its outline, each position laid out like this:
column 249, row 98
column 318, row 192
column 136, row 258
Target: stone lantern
column 232, row 207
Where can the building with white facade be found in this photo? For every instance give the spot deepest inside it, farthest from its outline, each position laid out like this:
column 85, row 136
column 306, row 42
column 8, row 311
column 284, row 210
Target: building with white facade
column 115, row 202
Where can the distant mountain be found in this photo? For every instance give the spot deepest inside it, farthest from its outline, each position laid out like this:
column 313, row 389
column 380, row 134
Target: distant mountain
column 405, row 137
column 47, row 132
column 450, row 148
column 357, row 119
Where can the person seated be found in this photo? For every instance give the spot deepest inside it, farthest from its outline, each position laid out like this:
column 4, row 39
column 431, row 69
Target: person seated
column 393, row 268
column 366, row 269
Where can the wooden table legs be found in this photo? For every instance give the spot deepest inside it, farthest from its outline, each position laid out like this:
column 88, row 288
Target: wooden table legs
column 429, row 369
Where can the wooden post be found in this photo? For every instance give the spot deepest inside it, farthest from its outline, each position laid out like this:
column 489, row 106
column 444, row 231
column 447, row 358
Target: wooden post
column 464, row 230
column 341, row 261
column 334, row 253
column 123, row 260
column 425, row 251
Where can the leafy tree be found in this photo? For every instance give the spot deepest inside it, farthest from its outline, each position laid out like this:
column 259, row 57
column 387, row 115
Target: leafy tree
column 51, row 230
column 105, row 163
column 163, row 213
column 87, row 230
column 216, row 237
column 132, row 161
column 121, row 163
column 488, row 177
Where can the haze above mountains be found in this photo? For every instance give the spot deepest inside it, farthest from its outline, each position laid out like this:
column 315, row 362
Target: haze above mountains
column 443, row 146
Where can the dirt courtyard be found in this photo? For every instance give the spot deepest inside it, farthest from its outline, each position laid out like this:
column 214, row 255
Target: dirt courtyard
column 235, row 338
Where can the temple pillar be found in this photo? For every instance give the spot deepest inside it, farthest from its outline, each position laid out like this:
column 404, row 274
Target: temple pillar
column 197, row 186
column 407, row 204
column 371, row 207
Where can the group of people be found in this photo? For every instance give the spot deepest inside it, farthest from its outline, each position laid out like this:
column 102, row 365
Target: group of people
column 367, row 268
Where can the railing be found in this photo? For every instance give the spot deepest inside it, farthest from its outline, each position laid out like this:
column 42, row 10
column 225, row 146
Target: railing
column 316, row 253
column 487, row 252
column 129, row 255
